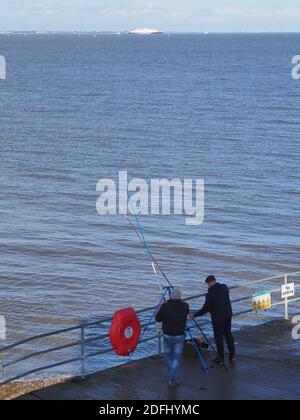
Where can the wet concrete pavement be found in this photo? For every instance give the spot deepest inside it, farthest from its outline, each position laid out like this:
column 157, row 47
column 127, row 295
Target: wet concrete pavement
column 268, row 367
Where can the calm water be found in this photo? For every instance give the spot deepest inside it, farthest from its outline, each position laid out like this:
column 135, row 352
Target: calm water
column 219, row 107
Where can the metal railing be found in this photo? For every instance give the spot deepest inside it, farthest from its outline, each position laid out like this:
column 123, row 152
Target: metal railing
column 82, row 343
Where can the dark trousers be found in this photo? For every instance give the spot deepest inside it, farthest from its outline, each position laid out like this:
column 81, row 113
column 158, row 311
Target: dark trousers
column 222, row 329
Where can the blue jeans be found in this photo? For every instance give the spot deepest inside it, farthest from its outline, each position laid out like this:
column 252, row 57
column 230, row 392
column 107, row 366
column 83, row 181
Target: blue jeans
column 174, row 349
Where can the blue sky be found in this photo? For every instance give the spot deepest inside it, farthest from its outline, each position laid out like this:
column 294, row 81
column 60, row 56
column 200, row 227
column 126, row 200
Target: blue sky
column 167, row 15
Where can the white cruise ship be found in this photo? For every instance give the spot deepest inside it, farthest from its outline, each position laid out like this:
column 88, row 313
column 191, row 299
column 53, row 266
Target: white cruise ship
column 145, row 31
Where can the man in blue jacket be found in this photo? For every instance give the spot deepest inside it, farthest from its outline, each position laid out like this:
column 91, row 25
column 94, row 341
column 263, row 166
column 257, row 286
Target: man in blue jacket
column 218, row 304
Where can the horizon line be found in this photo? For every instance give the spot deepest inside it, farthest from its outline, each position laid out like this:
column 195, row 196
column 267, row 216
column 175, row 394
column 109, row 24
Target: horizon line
column 123, row 32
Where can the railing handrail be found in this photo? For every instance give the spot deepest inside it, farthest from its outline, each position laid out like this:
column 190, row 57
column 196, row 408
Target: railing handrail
column 109, row 350
column 140, row 311
column 82, row 326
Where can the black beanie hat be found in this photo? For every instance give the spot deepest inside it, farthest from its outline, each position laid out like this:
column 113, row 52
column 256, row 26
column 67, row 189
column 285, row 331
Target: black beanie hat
column 210, row 279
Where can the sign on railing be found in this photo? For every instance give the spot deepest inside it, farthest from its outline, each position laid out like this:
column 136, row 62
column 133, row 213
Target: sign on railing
column 288, row 290
column 261, row 301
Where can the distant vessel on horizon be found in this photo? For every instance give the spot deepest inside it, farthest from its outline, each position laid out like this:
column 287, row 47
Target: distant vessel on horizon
column 145, row 31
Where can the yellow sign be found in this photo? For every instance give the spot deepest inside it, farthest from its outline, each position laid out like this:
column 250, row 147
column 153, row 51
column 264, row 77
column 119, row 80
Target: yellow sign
column 261, row 301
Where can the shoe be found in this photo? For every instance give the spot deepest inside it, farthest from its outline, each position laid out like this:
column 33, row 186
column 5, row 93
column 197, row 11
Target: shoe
column 218, row 361
column 232, row 358
column 178, row 382
column 174, row 384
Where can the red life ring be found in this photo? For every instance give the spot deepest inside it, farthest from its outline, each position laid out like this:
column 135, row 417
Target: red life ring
column 125, row 331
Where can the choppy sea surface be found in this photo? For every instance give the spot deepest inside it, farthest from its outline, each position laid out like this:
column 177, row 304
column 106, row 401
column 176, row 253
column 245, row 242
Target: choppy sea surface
column 220, row 107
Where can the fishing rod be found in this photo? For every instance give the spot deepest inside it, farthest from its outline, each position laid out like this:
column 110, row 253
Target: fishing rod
column 154, row 259
column 142, row 238
column 162, row 272
column 149, row 253
column 205, row 337
column 204, row 367
column 208, row 341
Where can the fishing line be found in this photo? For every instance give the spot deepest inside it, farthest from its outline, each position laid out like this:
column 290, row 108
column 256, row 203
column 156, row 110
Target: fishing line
column 142, row 238
column 152, row 256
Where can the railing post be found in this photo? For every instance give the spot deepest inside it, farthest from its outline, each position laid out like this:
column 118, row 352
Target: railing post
column 286, row 315
column 82, row 354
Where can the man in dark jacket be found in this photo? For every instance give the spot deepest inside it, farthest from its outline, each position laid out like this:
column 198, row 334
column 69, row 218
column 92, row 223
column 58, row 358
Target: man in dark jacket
column 173, row 315
column 218, row 304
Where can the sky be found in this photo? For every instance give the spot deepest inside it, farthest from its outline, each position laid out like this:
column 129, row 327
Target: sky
column 166, row 15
